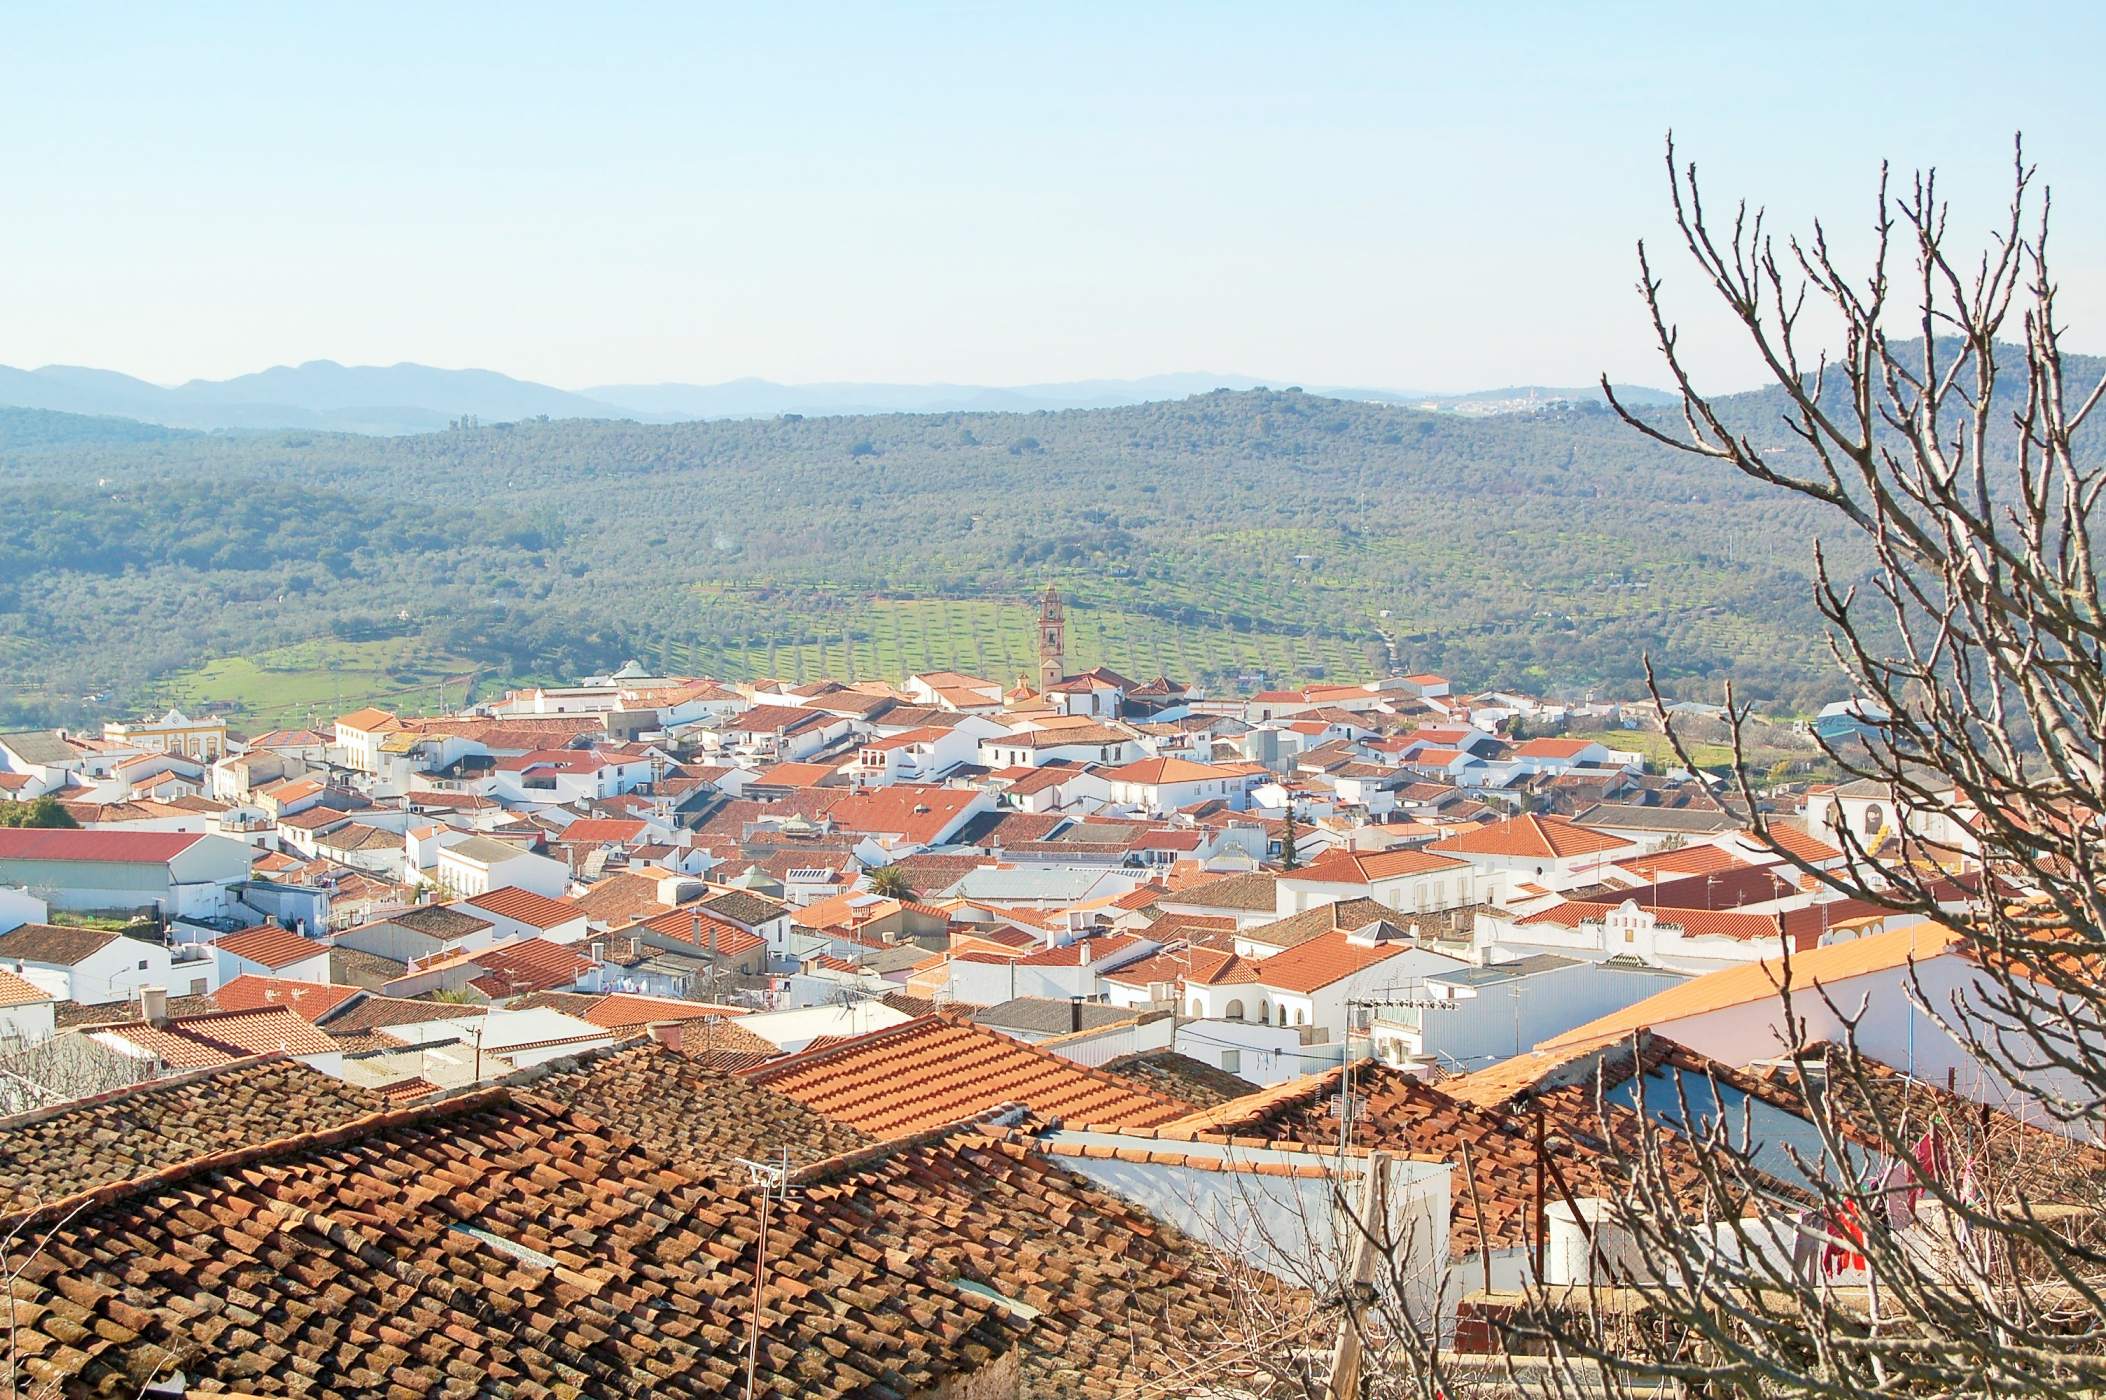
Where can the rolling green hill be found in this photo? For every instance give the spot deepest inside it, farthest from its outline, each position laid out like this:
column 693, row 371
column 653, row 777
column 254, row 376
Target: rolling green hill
column 1231, row 537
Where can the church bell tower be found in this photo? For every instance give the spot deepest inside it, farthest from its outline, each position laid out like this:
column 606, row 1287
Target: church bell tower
column 1052, row 641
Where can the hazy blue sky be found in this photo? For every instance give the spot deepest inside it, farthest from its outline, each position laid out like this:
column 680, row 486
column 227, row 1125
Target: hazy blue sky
column 1412, row 196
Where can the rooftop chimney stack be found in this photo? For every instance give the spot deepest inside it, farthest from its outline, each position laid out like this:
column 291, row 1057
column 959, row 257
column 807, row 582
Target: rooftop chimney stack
column 670, row 1034
column 153, row 1006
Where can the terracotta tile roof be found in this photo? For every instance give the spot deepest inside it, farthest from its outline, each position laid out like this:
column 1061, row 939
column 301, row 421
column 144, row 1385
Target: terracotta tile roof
column 58, row 944
column 359, row 968
column 369, row 720
column 1786, row 837
column 48, row 1154
column 616, row 899
column 51, row 843
column 528, row 965
column 523, row 906
column 796, row 775
column 1179, row 1076
column 674, row 1104
column 1153, row 771
column 915, row 813
column 1344, row 867
column 1141, row 897
column 1760, row 981
column 1197, row 930
column 930, row 1072
column 932, row 871
column 1197, row 965
column 1255, row 891
column 1553, row 748
column 1532, row 837
column 260, row 1032
column 625, row 1011
column 68, row 1015
column 776, row 719
column 1053, row 736
column 1689, row 860
column 1099, row 949
column 170, row 1047
column 1354, row 913
column 690, row 925
column 569, row 1003
column 1397, row 1113
column 270, row 946
column 315, row 819
column 743, row 907
column 2015, row 1162
column 1331, row 957
column 312, row 1000
column 376, row 1012
column 439, row 921
column 216, row 1037
column 600, row 830
column 566, row 1258
column 16, row 990
column 1497, row 1085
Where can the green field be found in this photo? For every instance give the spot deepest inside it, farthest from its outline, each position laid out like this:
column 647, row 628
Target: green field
column 814, row 634
column 315, row 681
column 1768, row 743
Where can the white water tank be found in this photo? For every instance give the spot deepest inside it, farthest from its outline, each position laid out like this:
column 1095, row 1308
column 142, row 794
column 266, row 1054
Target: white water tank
column 1582, row 1239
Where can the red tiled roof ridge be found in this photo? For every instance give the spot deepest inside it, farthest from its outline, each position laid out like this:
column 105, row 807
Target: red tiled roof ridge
column 233, row 1158
column 908, row 1030
column 1258, row 1103
column 804, row 1058
column 30, row 1116
column 858, row 1157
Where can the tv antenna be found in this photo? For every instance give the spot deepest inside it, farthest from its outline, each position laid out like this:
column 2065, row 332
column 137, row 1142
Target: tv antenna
column 773, row 1179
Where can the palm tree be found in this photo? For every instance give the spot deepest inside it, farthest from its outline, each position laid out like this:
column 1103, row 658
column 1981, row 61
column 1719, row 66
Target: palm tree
column 891, row 882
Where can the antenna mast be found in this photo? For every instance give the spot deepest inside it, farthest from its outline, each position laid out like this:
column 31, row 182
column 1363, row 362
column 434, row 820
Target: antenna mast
column 773, row 1179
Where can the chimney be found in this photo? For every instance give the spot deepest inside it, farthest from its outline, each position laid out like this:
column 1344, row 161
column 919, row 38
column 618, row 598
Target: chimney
column 1074, row 1013
column 153, row 1006
column 668, row 1033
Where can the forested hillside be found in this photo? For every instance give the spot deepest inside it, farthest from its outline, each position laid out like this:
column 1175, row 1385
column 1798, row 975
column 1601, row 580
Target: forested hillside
column 1232, row 536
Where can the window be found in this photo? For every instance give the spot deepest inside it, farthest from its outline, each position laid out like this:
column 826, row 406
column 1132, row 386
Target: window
column 1235, row 1011
column 142, row 964
column 197, row 986
column 1875, row 818
column 1232, row 1061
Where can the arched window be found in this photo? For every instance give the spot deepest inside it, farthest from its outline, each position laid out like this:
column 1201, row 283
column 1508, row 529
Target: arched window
column 1875, row 818
column 1235, row 1010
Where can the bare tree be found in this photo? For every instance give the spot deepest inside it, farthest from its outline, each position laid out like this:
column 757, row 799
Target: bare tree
column 56, row 1069
column 1930, row 1245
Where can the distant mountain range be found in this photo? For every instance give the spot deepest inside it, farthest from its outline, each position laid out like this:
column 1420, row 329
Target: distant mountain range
column 411, row 398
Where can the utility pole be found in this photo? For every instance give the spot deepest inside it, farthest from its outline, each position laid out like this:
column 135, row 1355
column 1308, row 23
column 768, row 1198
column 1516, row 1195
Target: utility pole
column 1345, row 1088
column 695, row 923
column 1538, row 1107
